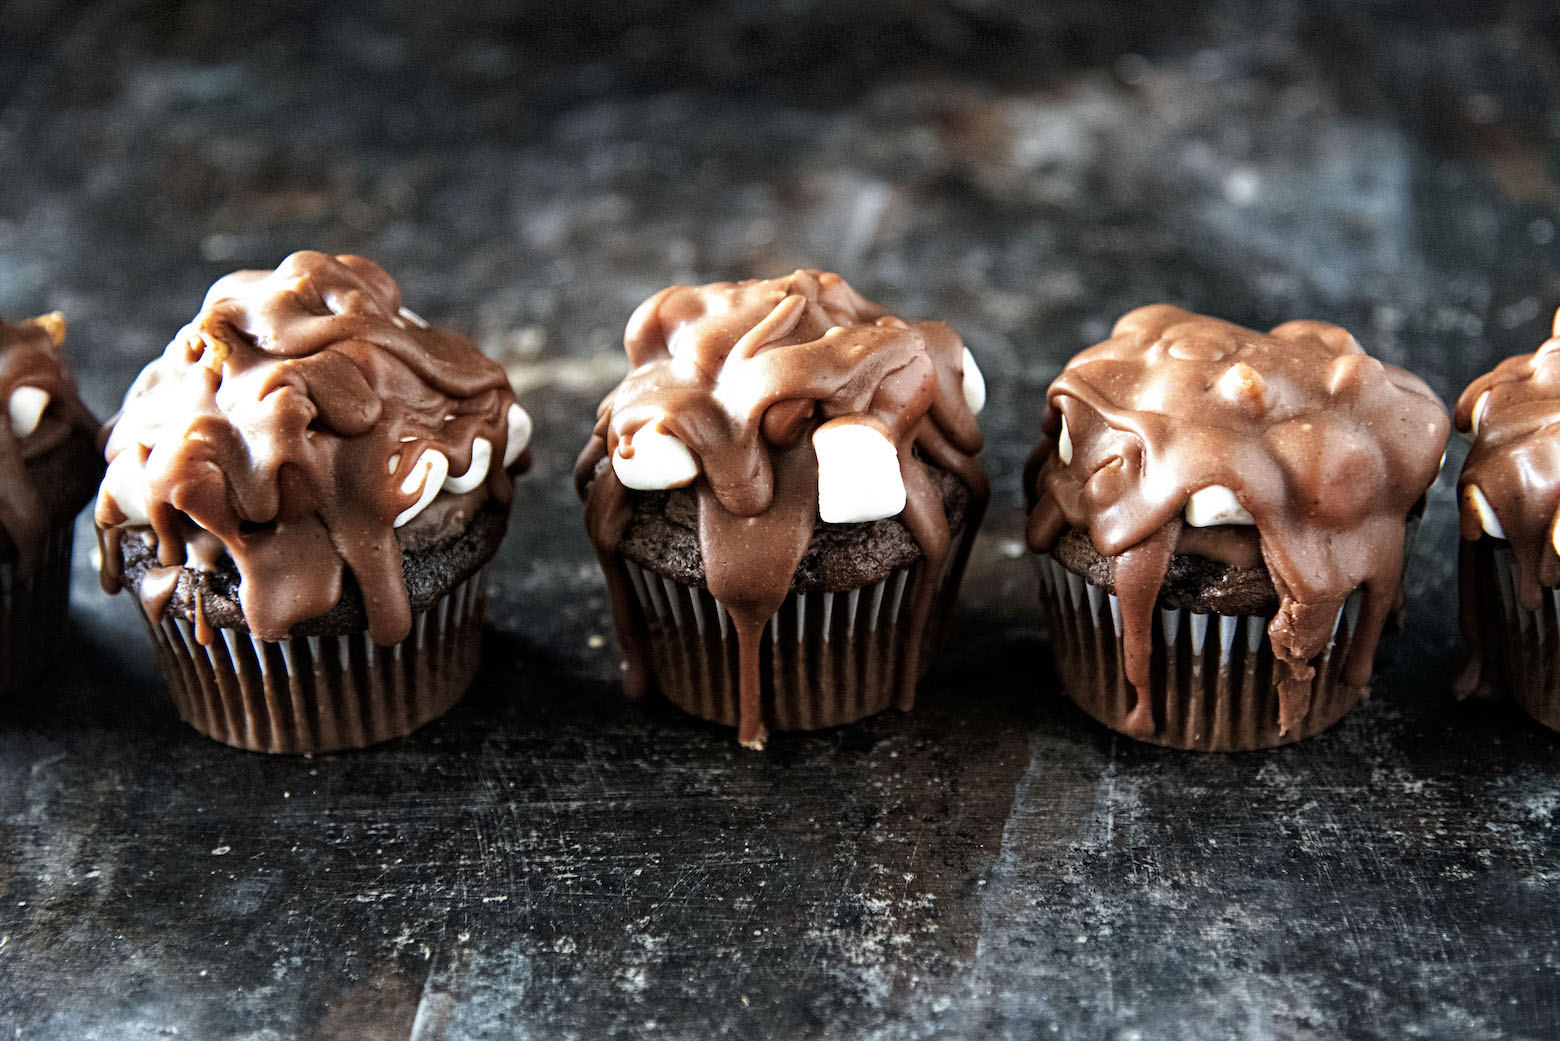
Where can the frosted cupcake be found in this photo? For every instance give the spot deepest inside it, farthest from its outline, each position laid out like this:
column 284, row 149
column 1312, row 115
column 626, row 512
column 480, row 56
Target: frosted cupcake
column 782, row 494
column 1222, row 518
column 1510, row 499
column 49, row 467
column 302, row 492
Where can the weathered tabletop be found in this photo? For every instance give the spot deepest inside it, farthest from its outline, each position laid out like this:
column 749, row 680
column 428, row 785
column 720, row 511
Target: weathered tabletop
column 551, row 862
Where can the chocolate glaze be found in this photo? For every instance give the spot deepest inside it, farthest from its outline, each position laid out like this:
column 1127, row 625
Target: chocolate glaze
column 1325, row 447
column 30, row 357
column 282, row 423
column 743, row 373
column 1515, row 464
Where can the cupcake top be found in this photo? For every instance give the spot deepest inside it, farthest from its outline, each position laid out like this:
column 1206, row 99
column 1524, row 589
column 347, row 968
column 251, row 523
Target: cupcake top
column 1510, row 484
column 42, row 411
column 1181, row 421
column 296, row 426
column 785, row 403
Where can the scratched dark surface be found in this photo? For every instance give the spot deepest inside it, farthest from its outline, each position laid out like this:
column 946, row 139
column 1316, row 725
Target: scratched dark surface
column 550, row 862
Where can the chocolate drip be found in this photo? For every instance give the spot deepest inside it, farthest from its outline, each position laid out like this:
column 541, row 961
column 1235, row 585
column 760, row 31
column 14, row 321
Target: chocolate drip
column 1513, row 414
column 285, row 420
column 1324, row 447
column 30, row 357
column 743, row 374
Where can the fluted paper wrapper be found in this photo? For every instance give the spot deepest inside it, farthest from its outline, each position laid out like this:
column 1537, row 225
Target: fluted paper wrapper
column 34, row 609
column 1215, row 680
column 827, row 659
column 323, row 693
column 1521, row 646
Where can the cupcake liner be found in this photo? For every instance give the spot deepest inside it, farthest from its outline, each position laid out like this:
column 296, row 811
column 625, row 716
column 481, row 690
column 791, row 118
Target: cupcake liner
column 1522, row 645
column 1215, row 680
column 34, row 609
column 323, row 693
column 827, row 658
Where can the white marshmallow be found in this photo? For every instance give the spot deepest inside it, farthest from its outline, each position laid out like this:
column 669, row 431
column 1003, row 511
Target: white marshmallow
column 1478, row 411
column 125, row 483
column 974, row 384
column 1213, row 505
column 410, row 316
column 430, row 469
column 1064, row 445
column 858, row 473
column 476, row 473
column 658, row 461
column 519, row 434
column 1487, row 519
column 26, row 409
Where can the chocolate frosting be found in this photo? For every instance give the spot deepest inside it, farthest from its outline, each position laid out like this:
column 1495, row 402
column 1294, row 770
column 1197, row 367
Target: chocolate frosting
column 744, row 374
column 1324, row 447
column 1513, row 472
column 287, row 425
column 30, row 358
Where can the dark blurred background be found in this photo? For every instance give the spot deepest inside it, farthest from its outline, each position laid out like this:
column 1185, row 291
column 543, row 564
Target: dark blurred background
column 549, row 862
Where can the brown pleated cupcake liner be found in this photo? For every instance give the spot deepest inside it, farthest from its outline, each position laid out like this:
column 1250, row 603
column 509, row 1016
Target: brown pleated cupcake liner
column 313, row 694
column 1522, row 646
column 35, row 609
column 827, row 659
column 1215, row 680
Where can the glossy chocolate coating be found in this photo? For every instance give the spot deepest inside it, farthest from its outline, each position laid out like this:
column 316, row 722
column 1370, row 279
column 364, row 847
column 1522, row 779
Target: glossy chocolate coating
column 30, row 357
column 284, row 421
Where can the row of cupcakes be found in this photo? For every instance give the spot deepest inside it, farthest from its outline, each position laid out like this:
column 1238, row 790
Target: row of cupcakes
column 303, row 491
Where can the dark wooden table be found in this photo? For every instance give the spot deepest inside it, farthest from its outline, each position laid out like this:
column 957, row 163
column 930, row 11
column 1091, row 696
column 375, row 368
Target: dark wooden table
column 550, row 862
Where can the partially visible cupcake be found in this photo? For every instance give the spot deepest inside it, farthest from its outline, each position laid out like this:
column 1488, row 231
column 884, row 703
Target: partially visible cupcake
column 783, row 493
column 302, row 492
column 1222, row 517
column 49, row 467
column 1510, row 501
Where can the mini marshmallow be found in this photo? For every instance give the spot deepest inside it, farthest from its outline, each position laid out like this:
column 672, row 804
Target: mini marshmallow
column 858, row 473
column 431, row 468
column 125, row 483
column 1064, row 449
column 1487, row 519
column 1478, row 411
column 408, row 314
column 476, row 473
column 26, row 409
column 1214, row 505
column 974, row 384
column 519, row 434
column 657, row 461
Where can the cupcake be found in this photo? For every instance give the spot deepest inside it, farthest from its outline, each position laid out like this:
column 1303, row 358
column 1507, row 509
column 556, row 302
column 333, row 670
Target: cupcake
column 1509, row 495
column 302, row 493
column 49, row 467
column 783, row 493
column 1222, row 518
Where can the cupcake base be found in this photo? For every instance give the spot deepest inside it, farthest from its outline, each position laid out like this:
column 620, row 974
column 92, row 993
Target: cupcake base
column 1215, row 680
column 827, row 659
column 313, row 694
column 34, row 609
column 1521, row 648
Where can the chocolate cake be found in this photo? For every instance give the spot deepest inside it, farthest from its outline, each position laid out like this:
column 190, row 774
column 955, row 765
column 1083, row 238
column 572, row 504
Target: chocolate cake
column 782, row 494
column 1509, row 493
column 302, row 492
column 49, row 467
column 1222, row 518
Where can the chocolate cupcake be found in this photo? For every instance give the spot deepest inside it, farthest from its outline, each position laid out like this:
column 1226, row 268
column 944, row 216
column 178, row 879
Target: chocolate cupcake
column 302, row 492
column 783, row 493
column 1222, row 520
column 49, row 467
column 1509, row 493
